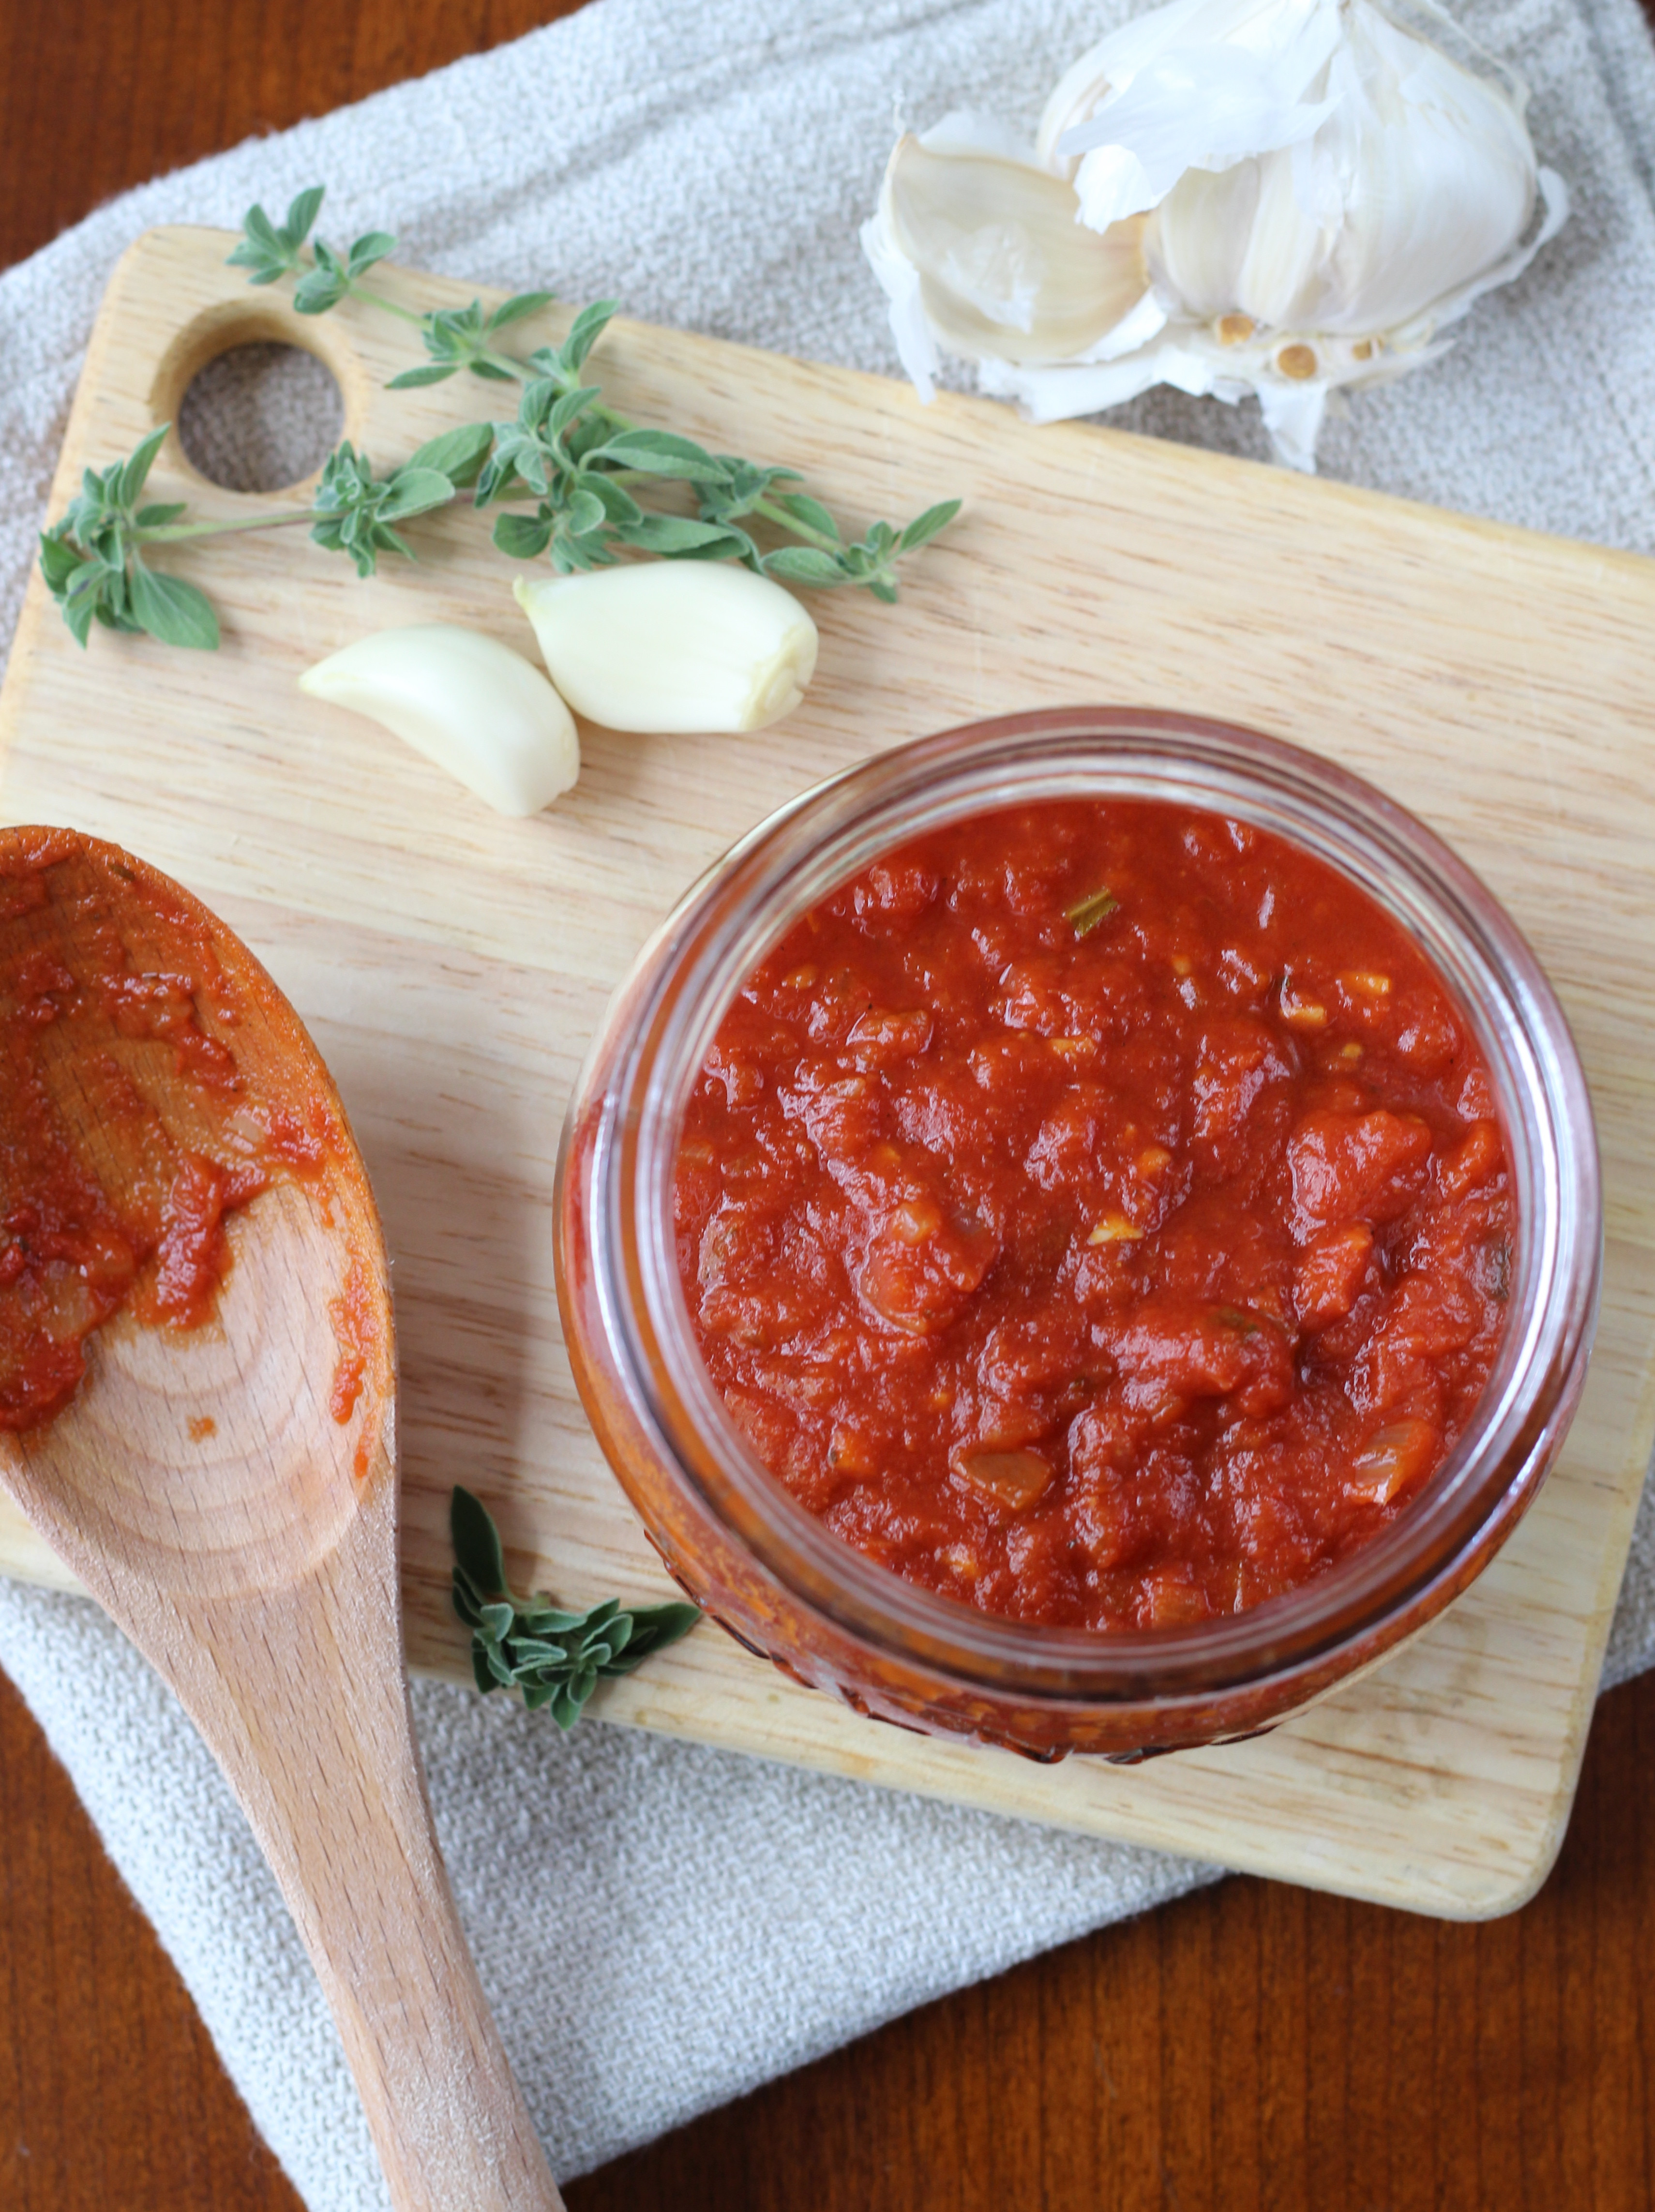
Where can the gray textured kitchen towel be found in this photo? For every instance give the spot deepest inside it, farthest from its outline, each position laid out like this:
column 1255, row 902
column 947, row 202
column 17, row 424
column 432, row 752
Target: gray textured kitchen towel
column 658, row 1927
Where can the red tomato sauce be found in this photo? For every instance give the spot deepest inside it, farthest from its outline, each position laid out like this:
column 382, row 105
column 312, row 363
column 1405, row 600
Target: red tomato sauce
column 1096, row 1212
column 127, row 1133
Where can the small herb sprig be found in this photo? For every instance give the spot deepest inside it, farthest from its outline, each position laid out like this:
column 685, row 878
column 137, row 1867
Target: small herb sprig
column 1085, row 914
column 578, row 462
column 93, row 559
column 551, row 1656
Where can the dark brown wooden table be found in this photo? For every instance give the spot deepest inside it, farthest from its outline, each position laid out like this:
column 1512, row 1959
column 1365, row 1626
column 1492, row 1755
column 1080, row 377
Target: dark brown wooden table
column 1254, row 2049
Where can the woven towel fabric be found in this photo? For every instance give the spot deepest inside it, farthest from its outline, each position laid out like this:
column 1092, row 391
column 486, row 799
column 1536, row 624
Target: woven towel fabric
column 709, row 166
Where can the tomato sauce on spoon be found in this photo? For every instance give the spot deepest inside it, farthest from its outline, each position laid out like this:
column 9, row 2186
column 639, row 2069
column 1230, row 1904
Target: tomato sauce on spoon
column 128, row 1137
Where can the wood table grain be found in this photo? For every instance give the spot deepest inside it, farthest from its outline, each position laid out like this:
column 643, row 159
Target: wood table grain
column 1252, row 2049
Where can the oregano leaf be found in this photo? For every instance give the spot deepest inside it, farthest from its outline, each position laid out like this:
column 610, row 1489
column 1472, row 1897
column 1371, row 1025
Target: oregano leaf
column 476, row 1541
column 139, row 464
column 432, row 372
column 926, row 526
column 661, row 454
column 414, row 491
column 522, row 536
column 514, row 309
column 585, row 330
column 318, row 290
column 458, row 454
column 805, row 564
column 676, row 536
column 171, row 610
column 302, row 211
column 371, row 247
column 811, row 512
column 585, row 512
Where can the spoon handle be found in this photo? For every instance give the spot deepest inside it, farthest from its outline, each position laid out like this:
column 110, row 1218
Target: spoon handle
column 300, row 1693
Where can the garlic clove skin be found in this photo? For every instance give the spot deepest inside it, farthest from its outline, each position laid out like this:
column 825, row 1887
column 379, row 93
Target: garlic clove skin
column 984, row 252
column 1059, row 391
column 466, row 702
column 1195, row 84
column 666, row 648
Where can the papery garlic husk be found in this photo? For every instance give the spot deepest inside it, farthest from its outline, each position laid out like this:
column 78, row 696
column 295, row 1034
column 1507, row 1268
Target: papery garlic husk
column 1320, row 191
column 465, row 701
column 666, row 647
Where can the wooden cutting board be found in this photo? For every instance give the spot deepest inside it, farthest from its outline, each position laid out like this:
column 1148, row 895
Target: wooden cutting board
column 452, row 966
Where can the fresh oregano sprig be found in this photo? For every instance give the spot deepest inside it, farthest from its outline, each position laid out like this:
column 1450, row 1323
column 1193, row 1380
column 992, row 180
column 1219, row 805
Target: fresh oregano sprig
column 579, row 456
column 551, row 1656
column 93, row 559
column 356, row 509
column 567, row 452
column 458, row 338
column 576, row 520
column 576, row 460
column 269, row 250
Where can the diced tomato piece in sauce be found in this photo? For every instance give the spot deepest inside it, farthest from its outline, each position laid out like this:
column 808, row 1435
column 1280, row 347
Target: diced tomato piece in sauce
column 1098, row 1213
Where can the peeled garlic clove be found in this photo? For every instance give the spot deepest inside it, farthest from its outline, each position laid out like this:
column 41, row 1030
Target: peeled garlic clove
column 467, row 703
column 669, row 646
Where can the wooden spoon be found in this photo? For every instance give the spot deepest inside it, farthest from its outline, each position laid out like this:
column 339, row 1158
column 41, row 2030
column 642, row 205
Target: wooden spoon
column 223, row 1479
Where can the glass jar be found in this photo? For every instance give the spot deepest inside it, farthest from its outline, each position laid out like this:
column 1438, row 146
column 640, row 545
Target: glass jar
column 833, row 1619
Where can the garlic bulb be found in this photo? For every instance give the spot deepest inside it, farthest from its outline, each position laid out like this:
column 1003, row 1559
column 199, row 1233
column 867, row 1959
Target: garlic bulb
column 1285, row 197
column 672, row 646
column 467, row 703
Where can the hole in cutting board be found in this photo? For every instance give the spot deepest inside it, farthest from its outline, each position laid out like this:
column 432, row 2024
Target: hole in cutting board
column 261, row 417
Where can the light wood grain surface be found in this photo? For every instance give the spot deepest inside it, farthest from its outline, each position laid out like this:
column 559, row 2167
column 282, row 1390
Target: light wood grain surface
column 452, row 966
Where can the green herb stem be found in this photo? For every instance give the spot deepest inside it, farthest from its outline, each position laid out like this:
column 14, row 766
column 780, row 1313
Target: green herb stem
column 175, row 533
column 370, row 298
column 772, row 513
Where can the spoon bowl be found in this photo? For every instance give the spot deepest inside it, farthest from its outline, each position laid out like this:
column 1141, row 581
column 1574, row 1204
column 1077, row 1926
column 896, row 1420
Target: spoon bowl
column 206, row 1464
column 197, row 1404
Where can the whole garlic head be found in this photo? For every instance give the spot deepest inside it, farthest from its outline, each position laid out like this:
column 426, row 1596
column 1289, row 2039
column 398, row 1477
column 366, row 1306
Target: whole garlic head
column 1313, row 190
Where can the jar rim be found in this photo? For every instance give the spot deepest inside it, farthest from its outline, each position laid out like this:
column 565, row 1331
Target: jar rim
column 716, row 936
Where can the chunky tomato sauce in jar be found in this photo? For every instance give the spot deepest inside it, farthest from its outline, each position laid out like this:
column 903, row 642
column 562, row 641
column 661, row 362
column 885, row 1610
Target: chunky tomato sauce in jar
column 1097, row 1212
